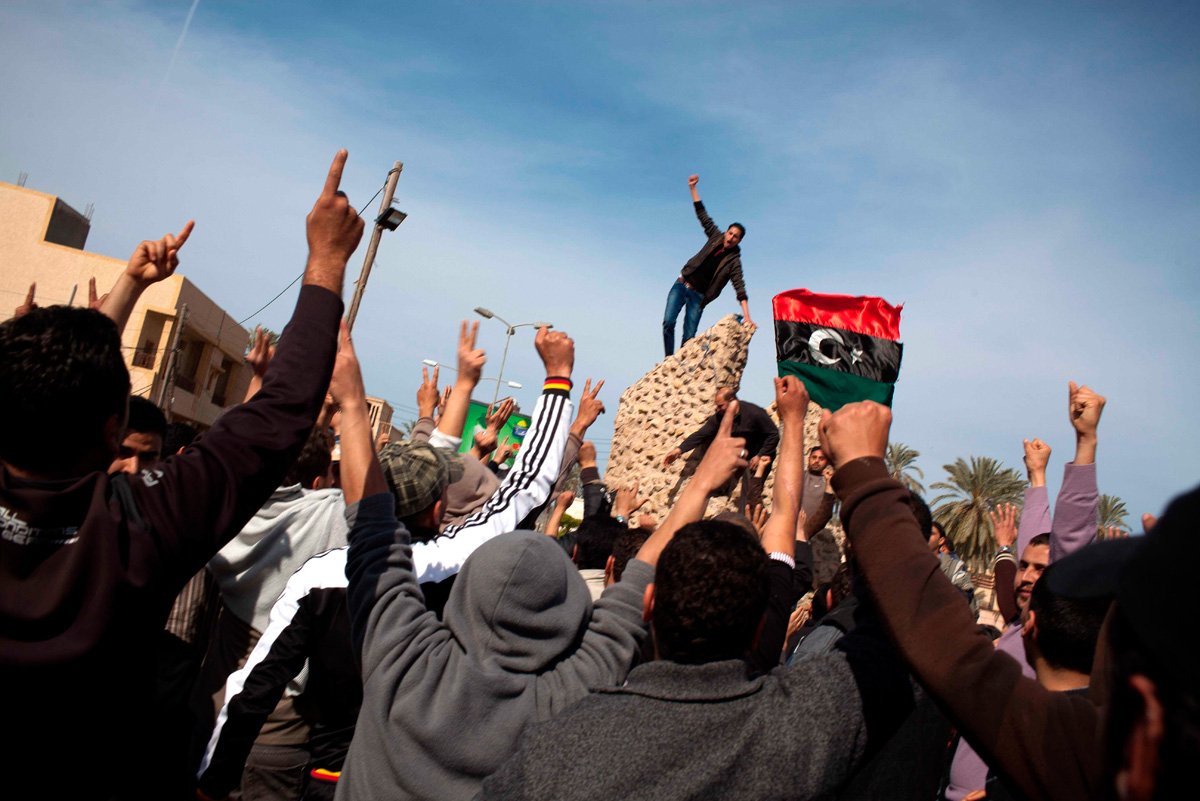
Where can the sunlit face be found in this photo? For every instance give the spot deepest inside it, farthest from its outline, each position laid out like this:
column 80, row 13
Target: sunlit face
column 138, row 452
column 733, row 235
column 817, row 461
column 1033, row 563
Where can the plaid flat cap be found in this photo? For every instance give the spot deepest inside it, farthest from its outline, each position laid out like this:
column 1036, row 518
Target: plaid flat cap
column 417, row 472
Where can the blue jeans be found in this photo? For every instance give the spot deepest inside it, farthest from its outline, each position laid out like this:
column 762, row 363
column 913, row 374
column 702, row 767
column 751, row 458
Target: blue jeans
column 681, row 295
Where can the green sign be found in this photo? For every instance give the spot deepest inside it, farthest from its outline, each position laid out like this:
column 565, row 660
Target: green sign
column 515, row 428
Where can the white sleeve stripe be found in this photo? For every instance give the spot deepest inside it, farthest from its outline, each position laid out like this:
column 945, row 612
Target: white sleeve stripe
column 324, row 570
column 534, row 477
column 524, row 472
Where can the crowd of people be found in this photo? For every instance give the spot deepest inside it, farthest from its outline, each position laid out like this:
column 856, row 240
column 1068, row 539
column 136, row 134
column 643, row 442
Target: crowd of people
column 282, row 607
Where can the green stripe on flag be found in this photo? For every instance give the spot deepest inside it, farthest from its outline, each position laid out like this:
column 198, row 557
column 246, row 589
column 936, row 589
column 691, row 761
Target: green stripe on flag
column 833, row 389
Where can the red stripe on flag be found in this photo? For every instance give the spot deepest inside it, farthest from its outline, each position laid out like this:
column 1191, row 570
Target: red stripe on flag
column 863, row 314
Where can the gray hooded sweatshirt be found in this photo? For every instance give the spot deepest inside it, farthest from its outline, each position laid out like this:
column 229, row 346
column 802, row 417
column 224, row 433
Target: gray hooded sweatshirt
column 444, row 702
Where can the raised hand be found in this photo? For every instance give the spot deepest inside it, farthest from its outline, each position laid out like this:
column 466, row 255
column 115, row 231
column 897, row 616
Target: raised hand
column 485, row 443
column 1084, row 409
column 498, row 417
column 1149, row 521
column 29, row 305
column 725, row 456
column 1037, row 456
column 470, row 358
column 1004, row 524
column 502, row 453
column 854, row 431
column 427, row 393
column 557, row 351
column 587, row 454
column 152, row 261
column 590, row 407
column 346, row 385
column 693, row 180
column 1116, row 533
column 758, row 516
column 442, row 401
column 564, row 499
column 259, row 357
column 95, row 301
column 334, row 231
column 627, row 501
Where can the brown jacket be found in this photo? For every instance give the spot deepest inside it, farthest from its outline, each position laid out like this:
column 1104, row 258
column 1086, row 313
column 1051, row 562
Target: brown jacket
column 730, row 266
column 1045, row 744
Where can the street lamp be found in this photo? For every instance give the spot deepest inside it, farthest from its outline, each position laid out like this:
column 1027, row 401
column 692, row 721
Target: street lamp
column 432, row 363
column 487, row 314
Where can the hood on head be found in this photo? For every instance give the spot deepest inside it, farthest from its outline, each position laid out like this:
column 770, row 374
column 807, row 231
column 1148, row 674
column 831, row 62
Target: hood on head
column 518, row 603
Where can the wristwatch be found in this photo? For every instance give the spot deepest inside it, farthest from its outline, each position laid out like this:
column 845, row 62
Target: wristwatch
column 1005, row 549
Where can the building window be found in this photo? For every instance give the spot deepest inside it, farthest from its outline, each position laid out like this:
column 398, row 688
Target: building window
column 190, row 351
column 144, row 356
column 221, row 389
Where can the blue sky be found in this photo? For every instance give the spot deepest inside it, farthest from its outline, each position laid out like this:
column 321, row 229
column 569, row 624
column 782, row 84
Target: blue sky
column 1025, row 178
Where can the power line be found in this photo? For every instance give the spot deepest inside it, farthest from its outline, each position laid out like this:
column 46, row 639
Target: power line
column 301, row 275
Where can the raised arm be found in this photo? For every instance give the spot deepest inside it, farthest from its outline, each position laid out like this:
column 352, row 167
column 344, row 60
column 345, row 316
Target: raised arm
column 725, row 456
column 1004, row 526
column 151, row 262
column 702, row 436
column 1077, row 510
column 595, row 495
column 779, row 534
column 1035, row 512
column 528, row 483
column 1009, row 719
column 470, row 368
column 196, row 501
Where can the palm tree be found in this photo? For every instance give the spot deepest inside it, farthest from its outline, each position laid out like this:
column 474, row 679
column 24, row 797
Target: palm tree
column 901, row 463
column 1112, row 513
column 972, row 491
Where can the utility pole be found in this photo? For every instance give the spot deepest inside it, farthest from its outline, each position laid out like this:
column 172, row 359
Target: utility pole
column 361, row 283
column 169, row 373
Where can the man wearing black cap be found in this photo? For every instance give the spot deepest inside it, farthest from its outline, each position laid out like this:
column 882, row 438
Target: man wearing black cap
column 1042, row 743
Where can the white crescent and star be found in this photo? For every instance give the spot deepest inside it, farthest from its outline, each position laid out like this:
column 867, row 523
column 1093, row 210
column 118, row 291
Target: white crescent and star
column 814, row 345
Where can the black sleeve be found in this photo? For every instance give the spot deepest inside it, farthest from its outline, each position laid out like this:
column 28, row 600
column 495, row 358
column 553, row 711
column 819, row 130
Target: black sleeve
column 595, row 496
column 710, row 227
column 196, row 501
column 253, row 692
column 766, row 425
column 802, row 577
column 704, row 435
column 779, row 608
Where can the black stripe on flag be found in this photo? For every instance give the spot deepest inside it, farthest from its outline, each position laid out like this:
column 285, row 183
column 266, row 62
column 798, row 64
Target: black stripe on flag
column 838, row 349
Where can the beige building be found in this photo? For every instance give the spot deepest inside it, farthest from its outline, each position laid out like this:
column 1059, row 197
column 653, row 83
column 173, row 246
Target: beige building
column 42, row 239
column 380, row 413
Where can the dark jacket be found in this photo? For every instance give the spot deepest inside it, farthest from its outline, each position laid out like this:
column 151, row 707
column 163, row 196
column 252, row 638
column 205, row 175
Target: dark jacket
column 86, row 587
column 717, row 730
column 752, row 422
column 1043, row 744
column 730, row 266
column 309, row 626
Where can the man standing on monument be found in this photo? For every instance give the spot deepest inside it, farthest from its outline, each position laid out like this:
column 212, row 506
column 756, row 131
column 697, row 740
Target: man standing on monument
column 705, row 275
column 749, row 421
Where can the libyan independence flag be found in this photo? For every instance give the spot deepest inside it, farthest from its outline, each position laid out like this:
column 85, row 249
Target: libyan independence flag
column 843, row 348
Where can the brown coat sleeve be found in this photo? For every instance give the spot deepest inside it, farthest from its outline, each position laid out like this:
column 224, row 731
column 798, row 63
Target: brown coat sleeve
column 1046, row 744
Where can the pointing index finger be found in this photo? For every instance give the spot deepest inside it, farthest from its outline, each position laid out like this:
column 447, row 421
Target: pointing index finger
column 184, row 234
column 334, row 180
column 726, row 428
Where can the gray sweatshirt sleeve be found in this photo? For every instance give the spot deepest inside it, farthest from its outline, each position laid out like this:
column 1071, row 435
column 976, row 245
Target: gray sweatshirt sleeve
column 613, row 637
column 388, row 619
column 1035, row 517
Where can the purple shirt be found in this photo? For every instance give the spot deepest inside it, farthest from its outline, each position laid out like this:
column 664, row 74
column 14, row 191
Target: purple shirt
column 1074, row 526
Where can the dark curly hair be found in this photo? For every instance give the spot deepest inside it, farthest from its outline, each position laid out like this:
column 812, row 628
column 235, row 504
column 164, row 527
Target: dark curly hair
column 594, row 541
column 64, row 376
column 710, row 593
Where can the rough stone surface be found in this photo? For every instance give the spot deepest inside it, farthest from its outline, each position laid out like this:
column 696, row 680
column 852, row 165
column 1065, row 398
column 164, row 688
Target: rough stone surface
column 673, row 400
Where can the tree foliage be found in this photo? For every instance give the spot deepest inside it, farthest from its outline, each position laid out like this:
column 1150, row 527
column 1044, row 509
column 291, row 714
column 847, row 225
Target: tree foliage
column 971, row 492
column 902, row 463
column 1112, row 513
